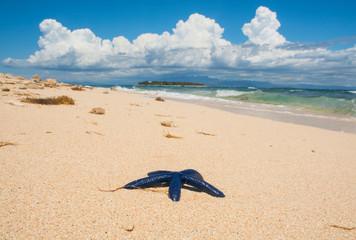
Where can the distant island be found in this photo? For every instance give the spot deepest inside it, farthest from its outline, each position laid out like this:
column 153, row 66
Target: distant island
column 165, row 83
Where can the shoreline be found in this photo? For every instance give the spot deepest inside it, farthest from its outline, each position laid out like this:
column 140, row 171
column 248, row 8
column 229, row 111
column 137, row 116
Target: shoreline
column 323, row 122
column 332, row 123
column 266, row 111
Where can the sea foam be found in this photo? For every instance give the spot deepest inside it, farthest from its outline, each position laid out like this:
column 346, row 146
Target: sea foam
column 163, row 93
column 228, row 93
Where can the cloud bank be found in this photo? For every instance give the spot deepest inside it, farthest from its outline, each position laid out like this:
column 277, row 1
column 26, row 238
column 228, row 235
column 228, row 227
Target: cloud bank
column 195, row 47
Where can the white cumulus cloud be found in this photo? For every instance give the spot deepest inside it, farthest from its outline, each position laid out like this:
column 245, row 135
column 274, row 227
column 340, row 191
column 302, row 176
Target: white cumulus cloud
column 64, row 48
column 189, row 44
column 195, row 46
column 263, row 28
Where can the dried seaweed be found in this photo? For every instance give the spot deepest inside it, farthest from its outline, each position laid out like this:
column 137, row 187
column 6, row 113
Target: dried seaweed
column 168, row 135
column 160, row 115
column 90, row 132
column 2, row 144
column 62, row 100
column 168, row 124
column 160, row 99
column 143, row 189
column 207, row 134
column 344, row 228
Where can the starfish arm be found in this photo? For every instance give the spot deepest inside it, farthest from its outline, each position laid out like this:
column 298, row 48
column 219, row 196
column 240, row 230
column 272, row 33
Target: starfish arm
column 158, row 172
column 147, row 181
column 192, row 173
column 175, row 187
column 201, row 184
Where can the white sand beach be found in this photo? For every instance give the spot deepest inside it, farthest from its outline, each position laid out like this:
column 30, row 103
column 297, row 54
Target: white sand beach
column 281, row 180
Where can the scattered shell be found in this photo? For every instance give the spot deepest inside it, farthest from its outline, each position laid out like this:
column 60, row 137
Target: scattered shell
column 36, row 79
column 129, row 226
column 135, row 104
column 15, row 103
column 50, row 82
column 168, row 124
column 78, row 88
column 98, row 110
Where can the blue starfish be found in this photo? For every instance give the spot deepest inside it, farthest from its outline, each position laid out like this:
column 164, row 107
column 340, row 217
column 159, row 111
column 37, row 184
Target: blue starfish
column 175, row 180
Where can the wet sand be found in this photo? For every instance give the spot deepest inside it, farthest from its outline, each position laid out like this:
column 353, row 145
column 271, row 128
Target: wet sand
column 329, row 122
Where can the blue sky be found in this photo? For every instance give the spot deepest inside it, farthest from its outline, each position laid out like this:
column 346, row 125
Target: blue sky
column 289, row 42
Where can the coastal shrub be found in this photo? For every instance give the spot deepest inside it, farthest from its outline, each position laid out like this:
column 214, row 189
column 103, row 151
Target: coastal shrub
column 62, row 100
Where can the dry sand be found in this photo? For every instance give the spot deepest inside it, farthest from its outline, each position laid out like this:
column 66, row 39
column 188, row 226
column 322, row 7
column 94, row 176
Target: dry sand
column 281, row 180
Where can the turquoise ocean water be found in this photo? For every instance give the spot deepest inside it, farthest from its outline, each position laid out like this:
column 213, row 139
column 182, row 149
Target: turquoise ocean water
column 338, row 104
